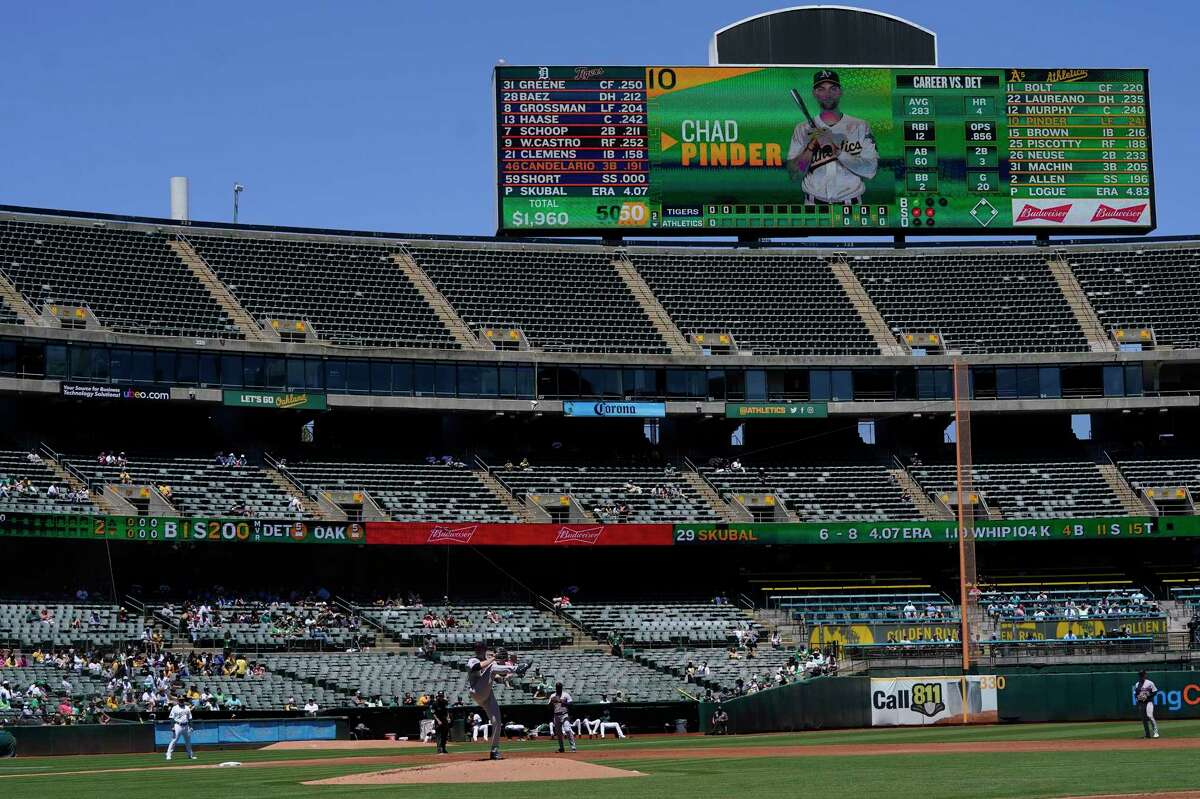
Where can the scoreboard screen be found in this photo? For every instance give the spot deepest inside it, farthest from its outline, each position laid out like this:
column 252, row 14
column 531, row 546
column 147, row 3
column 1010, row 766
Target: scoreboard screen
column 779, row 151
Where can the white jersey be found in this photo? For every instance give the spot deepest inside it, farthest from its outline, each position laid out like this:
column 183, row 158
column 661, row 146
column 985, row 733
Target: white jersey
column 837, row 178
column 1145, row 686
column 181, row 715
column 479, row 681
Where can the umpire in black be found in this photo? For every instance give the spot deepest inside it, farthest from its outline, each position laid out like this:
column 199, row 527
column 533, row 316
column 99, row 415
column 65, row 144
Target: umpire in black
column 441, row 721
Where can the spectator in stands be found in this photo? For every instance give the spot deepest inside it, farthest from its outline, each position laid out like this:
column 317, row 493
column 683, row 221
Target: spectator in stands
column 124, row 478
column 910, row 610
column 32, row 457
column 311, row 708
column 776, row 640
column 294, row 504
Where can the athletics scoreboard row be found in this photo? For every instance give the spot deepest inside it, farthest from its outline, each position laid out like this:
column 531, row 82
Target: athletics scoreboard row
column 779, row 151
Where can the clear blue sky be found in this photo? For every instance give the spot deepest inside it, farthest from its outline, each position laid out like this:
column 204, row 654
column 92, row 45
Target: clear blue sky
column 377, row 115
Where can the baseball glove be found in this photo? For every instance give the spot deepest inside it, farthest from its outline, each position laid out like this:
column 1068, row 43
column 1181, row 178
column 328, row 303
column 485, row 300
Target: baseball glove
column 524, row 667
column 1144, row 696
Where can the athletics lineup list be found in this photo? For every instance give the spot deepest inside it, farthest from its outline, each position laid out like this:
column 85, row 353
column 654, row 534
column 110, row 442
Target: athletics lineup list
column 802, row 151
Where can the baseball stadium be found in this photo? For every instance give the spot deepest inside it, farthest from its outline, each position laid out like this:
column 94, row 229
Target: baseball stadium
column 590, row 506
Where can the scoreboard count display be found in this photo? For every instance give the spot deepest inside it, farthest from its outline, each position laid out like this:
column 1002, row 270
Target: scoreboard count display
column 778, row 151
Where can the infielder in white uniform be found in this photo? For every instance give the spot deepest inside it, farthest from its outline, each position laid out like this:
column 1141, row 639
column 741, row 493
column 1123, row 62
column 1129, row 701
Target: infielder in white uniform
column 481, row 672
column 836, row 156
column 181, row 714
column 559, row 703
column 1143, row 691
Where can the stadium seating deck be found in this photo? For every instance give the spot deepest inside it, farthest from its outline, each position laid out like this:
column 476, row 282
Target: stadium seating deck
column 382, row 675
column 563, row 299
column 68, row 624
column 772, row 304
column 989, row 302
column 1157, row 287
column 519, row 626
column 409, row 491
column 199, row 487
column 867, row 608
column 264, row 627
column 130, row 279
column 593, row 676
column 1053, row 604
column 822, row 493
column 597, row 487
column 8, row 317
column 350, row 293
column 1158, row 473
column 723, row 671
column 1031, row 490
column 660, row 624
column 16, row 466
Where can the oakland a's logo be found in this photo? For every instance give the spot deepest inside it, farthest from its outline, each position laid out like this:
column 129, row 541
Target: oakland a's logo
column 927, row 699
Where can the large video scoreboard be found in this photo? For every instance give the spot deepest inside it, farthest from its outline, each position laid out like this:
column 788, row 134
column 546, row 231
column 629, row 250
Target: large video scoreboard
column 779, row 151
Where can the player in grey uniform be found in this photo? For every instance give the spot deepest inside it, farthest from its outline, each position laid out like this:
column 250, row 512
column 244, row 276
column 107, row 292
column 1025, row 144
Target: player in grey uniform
column 836, row 156
column 1143, row 691
column 560, row 724
column 482, row 671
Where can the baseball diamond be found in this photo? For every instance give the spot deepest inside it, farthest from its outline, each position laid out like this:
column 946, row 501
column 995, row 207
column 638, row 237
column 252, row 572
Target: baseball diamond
column 821, row 418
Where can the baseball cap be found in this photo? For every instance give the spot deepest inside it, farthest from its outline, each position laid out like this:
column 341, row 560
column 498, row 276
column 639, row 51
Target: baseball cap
column 826, row 75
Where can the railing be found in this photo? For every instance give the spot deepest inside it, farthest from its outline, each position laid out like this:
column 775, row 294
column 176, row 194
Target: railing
column 45, row 449
column 275, row 464
column 481, row 463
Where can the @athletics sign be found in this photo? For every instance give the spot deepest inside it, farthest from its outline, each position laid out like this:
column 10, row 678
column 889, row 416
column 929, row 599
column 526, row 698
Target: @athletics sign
column 620, row 409
column 776, row 410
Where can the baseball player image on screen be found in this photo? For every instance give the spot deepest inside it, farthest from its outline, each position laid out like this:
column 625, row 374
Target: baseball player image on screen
column 482, row 673
column 560, row 723
column 834, row 153
column 181, row 715
column 1143, row 693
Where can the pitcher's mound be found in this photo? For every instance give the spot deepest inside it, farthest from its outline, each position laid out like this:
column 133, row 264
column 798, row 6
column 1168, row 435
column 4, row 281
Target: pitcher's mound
column 523, row 769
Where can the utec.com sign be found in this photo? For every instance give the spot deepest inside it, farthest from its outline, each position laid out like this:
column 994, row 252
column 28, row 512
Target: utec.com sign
column 619, row 409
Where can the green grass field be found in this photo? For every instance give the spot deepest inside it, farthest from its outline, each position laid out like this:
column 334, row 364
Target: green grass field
column 703, row 772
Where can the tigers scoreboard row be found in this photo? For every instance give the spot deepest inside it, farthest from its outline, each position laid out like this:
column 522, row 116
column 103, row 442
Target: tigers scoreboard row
column 779, row 151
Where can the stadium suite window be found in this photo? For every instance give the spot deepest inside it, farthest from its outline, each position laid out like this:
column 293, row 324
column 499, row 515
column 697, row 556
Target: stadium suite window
column 402, row 378
column 447, row 380
column 358, row 377
column 186, row 368
column 56, row 359
column 253, row 375
column 164, row 366
column 208, row 369
column 335, row 376
column 276, row 371
column 381, row 377
column 231, row 371
column 423, row 379
column 295, row 373
column 143, row 366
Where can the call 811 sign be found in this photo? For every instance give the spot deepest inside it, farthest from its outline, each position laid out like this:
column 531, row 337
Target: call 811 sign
column 773, row 151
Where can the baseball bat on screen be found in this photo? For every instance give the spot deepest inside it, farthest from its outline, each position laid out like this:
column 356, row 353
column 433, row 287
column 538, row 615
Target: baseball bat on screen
column 800, row 102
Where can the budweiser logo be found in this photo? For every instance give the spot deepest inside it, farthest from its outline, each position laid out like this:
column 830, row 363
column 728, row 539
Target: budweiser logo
column 585, row 535
column 457, row 535
column 1056, row 213
column 1130, row 214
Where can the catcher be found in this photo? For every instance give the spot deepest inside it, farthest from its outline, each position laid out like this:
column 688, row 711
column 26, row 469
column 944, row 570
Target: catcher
column 1144, row 691
column 482, row 672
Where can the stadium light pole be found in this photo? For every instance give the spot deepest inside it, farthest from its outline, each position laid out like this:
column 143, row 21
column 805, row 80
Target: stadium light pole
column 238, row 188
